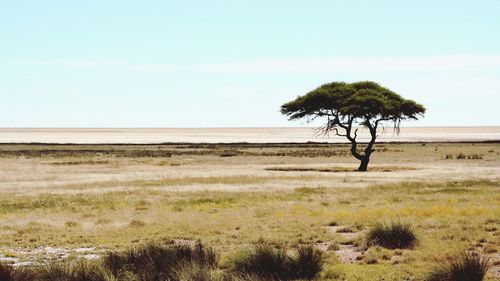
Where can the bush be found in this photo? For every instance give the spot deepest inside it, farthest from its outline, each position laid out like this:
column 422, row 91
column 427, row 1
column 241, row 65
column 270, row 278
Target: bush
column 395, row 235
column 467, row 266
column 267, row 262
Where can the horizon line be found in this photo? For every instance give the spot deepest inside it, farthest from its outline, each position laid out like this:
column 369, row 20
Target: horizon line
column 244, row 127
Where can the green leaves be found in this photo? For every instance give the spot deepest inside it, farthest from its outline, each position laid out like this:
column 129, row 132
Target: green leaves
column 365, row 100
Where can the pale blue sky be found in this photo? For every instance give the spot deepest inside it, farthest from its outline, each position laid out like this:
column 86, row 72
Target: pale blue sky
column 98, row 63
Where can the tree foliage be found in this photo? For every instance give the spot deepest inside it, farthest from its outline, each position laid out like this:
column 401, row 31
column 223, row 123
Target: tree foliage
column 346, row 105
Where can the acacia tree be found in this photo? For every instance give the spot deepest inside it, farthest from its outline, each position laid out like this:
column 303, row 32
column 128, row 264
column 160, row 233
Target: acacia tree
column 348, row 106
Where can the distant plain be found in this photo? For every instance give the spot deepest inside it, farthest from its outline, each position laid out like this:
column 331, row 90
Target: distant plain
column 230, row 135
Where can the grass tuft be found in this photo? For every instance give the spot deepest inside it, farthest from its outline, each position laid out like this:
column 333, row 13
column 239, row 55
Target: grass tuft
column 158, row 262
column 467, row 266
column 151, row 262
column 308, row 262
column 271, row 263
column 79, row 271
column 262, row 261
column 9, row 273
column 394, row 235
column 6, row 273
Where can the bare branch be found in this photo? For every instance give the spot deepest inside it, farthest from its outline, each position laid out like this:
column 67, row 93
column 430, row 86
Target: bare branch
column 338, row 134
column 321, row 131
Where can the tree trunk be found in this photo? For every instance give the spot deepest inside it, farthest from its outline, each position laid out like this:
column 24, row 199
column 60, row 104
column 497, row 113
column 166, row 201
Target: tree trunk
column 363, row 167
column 364, row 158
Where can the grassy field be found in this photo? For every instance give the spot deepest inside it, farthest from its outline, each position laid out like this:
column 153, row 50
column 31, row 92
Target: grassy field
column 80, row 201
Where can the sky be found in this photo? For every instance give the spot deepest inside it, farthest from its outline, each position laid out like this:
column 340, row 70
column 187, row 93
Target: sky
column 233, row 63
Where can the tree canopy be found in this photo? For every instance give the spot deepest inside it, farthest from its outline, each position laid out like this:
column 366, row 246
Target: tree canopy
column 364, row 103
column 362, row 100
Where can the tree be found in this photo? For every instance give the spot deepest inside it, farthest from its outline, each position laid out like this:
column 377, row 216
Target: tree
column 347, row 106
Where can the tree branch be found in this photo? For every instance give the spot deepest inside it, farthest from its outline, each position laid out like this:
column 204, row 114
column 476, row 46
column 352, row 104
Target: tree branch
column 354, row 150
column 355, row 134
column 337, row 133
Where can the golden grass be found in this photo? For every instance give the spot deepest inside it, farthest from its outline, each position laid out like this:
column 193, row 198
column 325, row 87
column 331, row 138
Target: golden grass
column 228, row 202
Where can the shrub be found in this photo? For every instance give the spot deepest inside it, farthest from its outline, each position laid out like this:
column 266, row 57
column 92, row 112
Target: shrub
column 395, row 235
column 267, row 262
column 467, row 266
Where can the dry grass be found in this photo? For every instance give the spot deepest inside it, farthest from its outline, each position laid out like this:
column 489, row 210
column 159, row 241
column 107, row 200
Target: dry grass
column 393, row 235
column 466, row 266
column 106, row 202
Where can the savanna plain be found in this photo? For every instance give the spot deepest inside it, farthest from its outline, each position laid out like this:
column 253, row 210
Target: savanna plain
column 74, row 204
